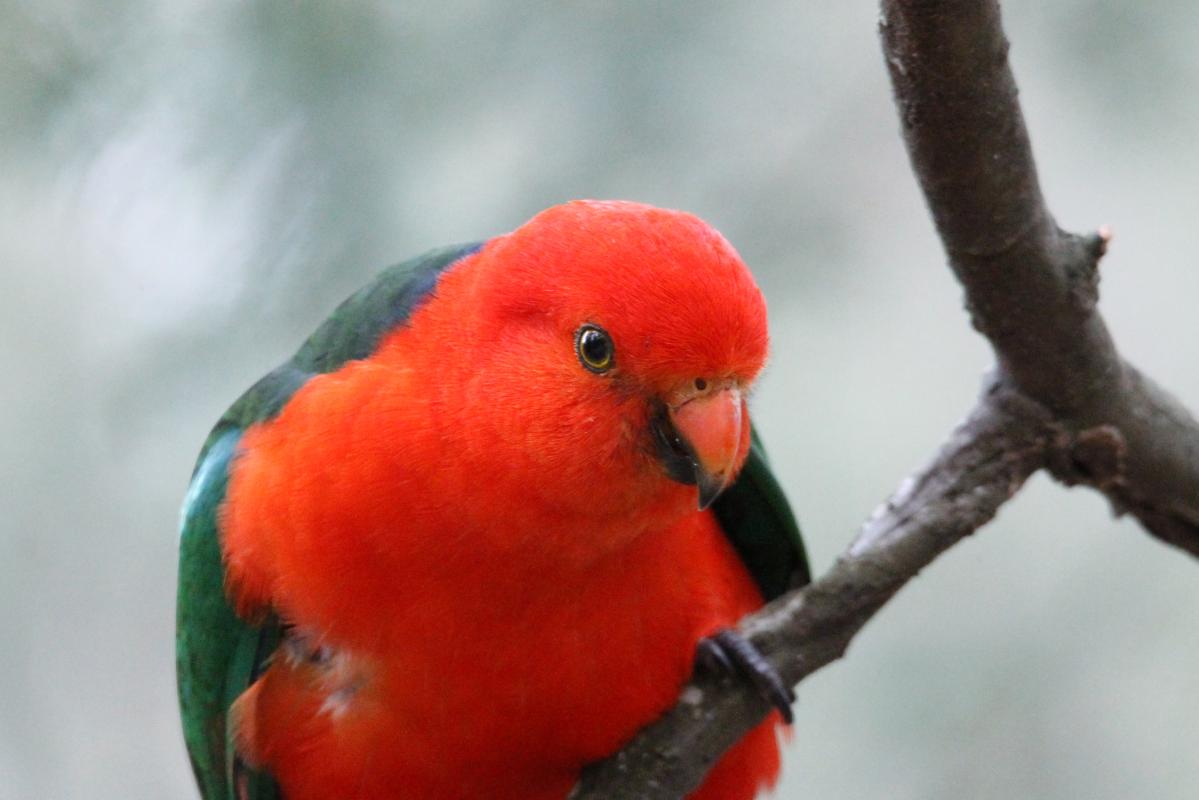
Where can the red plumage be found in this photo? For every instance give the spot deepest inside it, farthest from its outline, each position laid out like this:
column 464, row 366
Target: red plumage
column 496, row 581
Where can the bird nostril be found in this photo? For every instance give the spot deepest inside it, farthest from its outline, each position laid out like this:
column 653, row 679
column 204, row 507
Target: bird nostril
column 700, row 384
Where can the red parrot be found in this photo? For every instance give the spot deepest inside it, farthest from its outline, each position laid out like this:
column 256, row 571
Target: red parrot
column 469, row 539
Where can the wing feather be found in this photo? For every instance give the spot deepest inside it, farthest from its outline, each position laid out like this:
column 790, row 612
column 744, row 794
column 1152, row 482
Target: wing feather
column 218, row 654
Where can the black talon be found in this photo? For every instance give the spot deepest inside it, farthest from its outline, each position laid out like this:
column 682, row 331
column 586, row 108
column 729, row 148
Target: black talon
column 731, row 653
column 711, row 656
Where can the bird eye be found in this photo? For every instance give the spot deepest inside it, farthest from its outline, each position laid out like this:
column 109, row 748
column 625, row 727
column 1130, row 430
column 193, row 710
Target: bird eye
column 594, row 347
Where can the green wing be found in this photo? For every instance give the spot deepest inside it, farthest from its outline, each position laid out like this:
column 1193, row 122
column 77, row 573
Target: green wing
column 218, row 654
column 756, row 517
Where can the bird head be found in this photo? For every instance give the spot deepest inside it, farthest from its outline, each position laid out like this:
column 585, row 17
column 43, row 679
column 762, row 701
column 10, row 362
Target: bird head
column 619, row 342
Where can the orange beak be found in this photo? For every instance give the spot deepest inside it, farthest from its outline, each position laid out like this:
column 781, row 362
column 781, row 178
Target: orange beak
column 710, row 426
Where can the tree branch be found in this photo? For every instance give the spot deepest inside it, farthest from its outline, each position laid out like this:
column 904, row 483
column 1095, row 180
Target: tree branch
column 1061, row 396
column 1030, row 287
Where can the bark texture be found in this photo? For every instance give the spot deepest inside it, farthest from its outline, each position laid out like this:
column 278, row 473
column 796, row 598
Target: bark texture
column 1032, row 288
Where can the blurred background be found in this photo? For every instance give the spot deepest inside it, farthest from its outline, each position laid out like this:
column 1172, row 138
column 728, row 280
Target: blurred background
column 187, row 188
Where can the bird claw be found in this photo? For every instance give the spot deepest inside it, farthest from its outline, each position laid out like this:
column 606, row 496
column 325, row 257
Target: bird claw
column 729, row 653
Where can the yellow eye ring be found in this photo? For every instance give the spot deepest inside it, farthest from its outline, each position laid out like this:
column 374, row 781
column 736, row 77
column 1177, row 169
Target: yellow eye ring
column 595, row 349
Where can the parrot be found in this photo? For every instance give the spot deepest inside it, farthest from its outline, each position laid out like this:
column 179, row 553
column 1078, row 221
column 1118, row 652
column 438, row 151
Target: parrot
column 487, row 522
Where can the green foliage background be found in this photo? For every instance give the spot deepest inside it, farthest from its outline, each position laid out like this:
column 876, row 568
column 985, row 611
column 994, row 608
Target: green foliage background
column 187, row 188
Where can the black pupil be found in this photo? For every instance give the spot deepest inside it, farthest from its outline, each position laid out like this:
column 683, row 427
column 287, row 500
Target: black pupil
column 595, row 347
